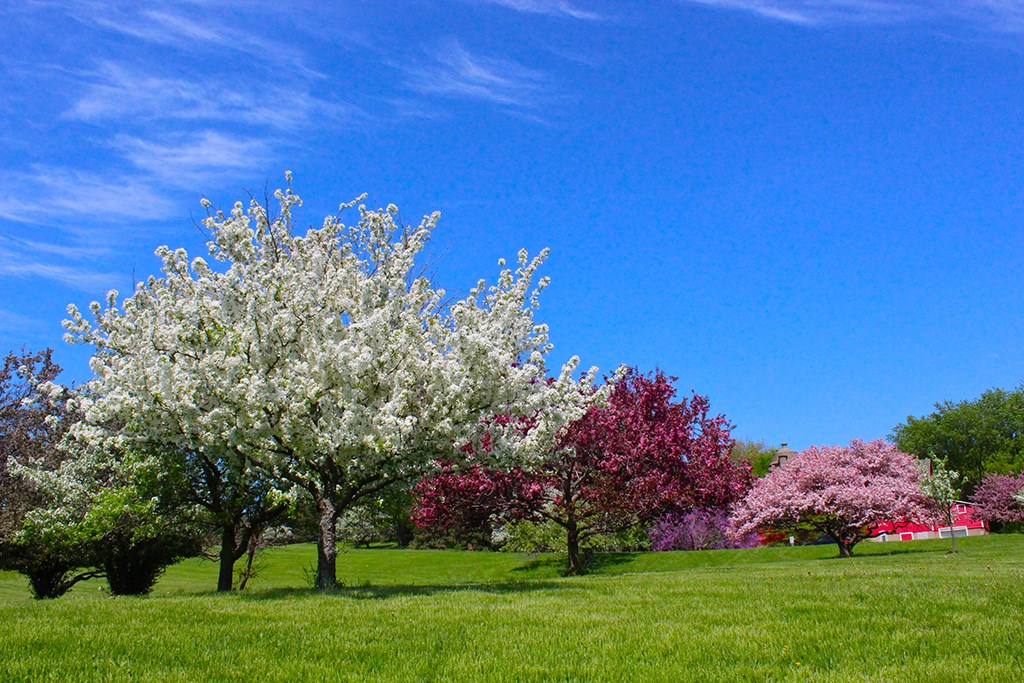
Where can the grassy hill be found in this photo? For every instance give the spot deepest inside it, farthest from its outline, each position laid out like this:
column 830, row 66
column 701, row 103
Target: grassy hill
column 895, row 612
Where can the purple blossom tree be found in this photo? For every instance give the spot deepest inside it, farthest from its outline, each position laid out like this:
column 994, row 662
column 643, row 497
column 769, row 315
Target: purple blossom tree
column 996, row 500
column 701, row 529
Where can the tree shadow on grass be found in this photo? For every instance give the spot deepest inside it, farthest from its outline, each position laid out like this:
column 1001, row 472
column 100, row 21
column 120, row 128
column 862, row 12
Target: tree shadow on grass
column 370, row 591
column 603, row 561
column 543, row 564
column 599, row 563
column 888, row 552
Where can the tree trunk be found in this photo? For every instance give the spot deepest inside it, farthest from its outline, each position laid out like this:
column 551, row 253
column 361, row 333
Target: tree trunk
column 403, row 535
column 845, row 548
column 226, row 577
column 327, row 546
column 573, row 542
column 952, row 532
column 254, row 541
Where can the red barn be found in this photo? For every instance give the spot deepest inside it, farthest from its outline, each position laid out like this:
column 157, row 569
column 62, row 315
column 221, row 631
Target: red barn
column 964, row 524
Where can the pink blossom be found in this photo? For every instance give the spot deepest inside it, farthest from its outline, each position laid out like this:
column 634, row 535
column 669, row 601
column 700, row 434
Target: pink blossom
column 995, row 498
column 844, row 492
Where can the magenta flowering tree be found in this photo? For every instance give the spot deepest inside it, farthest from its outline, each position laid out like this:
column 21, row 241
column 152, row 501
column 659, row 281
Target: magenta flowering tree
column 640, row 456
column 998, row 499
column 469, row 503
column 843, row 492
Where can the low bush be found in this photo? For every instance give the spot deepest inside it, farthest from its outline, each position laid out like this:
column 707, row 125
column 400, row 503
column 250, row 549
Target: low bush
column 697, row 530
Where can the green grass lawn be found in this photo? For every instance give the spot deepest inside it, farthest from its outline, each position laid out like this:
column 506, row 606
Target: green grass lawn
column 894, row 612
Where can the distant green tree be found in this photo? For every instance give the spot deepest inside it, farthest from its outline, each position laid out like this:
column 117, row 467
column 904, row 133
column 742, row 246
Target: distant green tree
column 384, row 520
column 757, row 453
column 972, row 437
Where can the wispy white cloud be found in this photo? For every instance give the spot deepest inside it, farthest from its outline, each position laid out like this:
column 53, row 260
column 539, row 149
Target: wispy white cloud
column 142, row 185
column 168, row 28
column 413, row 108
column 547, row 7
column 17, row 263
column 812, row 12
column 161, row 27
column 1006, row 16
column 455, row 72
column 169, row 115
column 46, row 194
column 114, row 92
column 187, row 158
column 76, row 252
column 175, row 133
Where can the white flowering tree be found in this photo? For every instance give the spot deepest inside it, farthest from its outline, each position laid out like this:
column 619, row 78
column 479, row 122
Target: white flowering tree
column 120, row 514
column 321, row 361
column 940, row 485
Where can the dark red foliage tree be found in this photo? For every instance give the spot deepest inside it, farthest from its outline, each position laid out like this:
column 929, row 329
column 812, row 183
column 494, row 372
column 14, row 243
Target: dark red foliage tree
column 32, row 424
column 26, row 433
column 467, row 504
column 640, row 456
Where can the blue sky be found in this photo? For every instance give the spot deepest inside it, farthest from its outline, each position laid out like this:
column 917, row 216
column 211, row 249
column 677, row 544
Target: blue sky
column 809, row 211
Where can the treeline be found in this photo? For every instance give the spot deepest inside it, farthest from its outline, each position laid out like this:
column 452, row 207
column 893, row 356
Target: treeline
column 639, row 468
column 977, row 438
column 320, row 381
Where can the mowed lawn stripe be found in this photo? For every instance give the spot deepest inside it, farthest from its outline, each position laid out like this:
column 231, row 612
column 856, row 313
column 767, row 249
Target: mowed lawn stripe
column 769, row 614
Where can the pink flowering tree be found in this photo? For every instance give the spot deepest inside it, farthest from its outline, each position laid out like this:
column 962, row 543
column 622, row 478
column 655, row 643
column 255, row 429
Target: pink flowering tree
column 843, row 492
column 638, row 457
column 1000, row 498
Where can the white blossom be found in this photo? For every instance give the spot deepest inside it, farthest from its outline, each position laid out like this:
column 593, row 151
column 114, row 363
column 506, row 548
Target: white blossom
column 322, row 356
